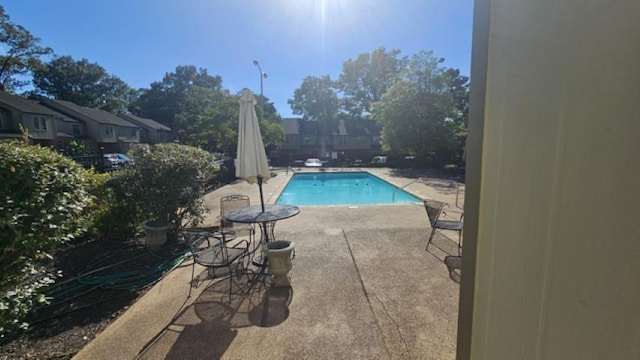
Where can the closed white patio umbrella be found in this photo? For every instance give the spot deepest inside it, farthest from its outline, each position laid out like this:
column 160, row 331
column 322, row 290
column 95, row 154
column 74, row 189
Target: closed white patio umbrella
column 252, row 164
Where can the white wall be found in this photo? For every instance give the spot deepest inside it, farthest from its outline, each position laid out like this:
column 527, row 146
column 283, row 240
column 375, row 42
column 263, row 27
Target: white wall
column 557, row 199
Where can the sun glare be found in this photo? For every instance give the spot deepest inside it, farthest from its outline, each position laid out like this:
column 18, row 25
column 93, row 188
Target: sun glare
column 333, row 18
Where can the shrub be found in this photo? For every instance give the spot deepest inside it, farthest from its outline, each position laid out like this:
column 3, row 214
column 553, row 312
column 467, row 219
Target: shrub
column 165, row 184
column 109, row 218
column 42, row 206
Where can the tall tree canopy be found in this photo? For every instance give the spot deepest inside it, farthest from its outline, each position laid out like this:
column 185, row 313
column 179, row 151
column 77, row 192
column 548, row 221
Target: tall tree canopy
column 19, row 53
column 164, row 99
column 424, row 112
column 205, row 119
column 315, row 99
column 200, row 111
column 83, row 83
column 270, row 121
column 422, row 106
column 364, row 80
column 458, row 88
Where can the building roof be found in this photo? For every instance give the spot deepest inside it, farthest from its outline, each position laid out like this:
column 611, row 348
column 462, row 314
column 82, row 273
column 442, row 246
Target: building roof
column 144, row 122
column 291, row 126
column 25, row 105
column 309, row 127
column 87, row 114
column 63, row 117
column 342, row 127
column 356, row 127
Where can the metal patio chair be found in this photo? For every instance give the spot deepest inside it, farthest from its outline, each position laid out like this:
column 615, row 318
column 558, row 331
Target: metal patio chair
column 435, row 209
column 232, row 202
column 215, row 251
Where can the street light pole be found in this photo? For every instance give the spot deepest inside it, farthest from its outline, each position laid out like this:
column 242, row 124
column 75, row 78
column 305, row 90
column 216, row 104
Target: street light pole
column 263, row 75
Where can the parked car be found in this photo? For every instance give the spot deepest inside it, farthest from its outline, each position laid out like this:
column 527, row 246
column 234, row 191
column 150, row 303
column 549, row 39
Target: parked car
column 313, row 163
column 116, row 160
column 111, row 161
column 379, row 160
column 124, row 159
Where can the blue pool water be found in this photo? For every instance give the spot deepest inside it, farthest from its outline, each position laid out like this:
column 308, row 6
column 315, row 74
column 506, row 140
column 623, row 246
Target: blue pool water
column 342, row 188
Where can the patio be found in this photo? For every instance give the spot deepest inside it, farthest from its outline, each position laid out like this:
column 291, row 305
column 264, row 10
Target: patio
column 362, row 288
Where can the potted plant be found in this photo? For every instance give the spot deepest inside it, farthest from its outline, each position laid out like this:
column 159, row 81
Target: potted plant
column 155, row 232
column 280, row 254
column 165, row 184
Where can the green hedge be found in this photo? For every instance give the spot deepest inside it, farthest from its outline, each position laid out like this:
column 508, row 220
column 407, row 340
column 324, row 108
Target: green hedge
column 44, row 196
column 166, row 184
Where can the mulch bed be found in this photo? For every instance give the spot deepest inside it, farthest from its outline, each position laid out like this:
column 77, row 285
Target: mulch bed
column 90, row 296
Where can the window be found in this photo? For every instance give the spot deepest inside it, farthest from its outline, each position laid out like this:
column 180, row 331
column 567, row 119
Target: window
column 109, row 131
column 290, row 139
column 39, row 123
column 4, row 120
column 134, row 133
column 76, row 130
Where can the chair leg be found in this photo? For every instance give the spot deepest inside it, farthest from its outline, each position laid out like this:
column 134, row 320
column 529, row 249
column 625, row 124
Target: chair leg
column 235, row 270
column 193, row 270
column 230, row 282
column 433, row 231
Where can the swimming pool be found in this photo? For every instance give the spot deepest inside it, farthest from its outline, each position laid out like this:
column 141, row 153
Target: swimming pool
column 342, row 188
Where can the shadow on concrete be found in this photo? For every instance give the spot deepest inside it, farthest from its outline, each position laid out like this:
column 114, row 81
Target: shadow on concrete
column 207, row 340
column 206, row 328
column 445, row 249
column 454, row 265
column 274, row 308
column 254, row 303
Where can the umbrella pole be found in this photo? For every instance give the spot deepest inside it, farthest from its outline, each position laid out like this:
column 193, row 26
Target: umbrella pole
column 261, row 196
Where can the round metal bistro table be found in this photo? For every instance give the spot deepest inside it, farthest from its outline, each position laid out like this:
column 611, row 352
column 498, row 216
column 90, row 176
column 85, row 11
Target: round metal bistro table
column 266, row 220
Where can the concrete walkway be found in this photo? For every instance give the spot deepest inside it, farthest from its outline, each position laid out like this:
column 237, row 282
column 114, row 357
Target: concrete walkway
column 362, row 288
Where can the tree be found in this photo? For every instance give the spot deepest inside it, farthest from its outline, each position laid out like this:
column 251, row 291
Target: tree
column 425, row 113
column 266, row 110
column 423, row 70
column 272, row 133
column 163, row 100
column 83, row 83
column 202, row 113
column 458, row 87
column 206, row 119
column 315, row 99
column 270, row 122
column 20, row 53
column 364, row 80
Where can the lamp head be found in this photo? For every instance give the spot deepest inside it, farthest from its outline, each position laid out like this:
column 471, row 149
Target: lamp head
column 255, row 62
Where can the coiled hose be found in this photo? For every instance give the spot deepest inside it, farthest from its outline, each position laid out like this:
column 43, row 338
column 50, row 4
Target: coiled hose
column 106, row 275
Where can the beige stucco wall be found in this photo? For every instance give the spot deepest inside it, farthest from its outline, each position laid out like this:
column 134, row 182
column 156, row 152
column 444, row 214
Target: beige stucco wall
column 557, row 258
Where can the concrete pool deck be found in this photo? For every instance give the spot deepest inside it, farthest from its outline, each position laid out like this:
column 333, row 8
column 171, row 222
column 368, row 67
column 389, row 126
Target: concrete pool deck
column 363, row 287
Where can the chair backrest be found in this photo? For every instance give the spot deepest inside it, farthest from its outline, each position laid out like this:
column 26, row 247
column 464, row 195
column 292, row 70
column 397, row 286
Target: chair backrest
column 229, row 203
column 434, row 208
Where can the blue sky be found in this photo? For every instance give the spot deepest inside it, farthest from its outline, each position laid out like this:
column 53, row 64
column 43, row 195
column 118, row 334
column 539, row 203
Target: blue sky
column 141, row 40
